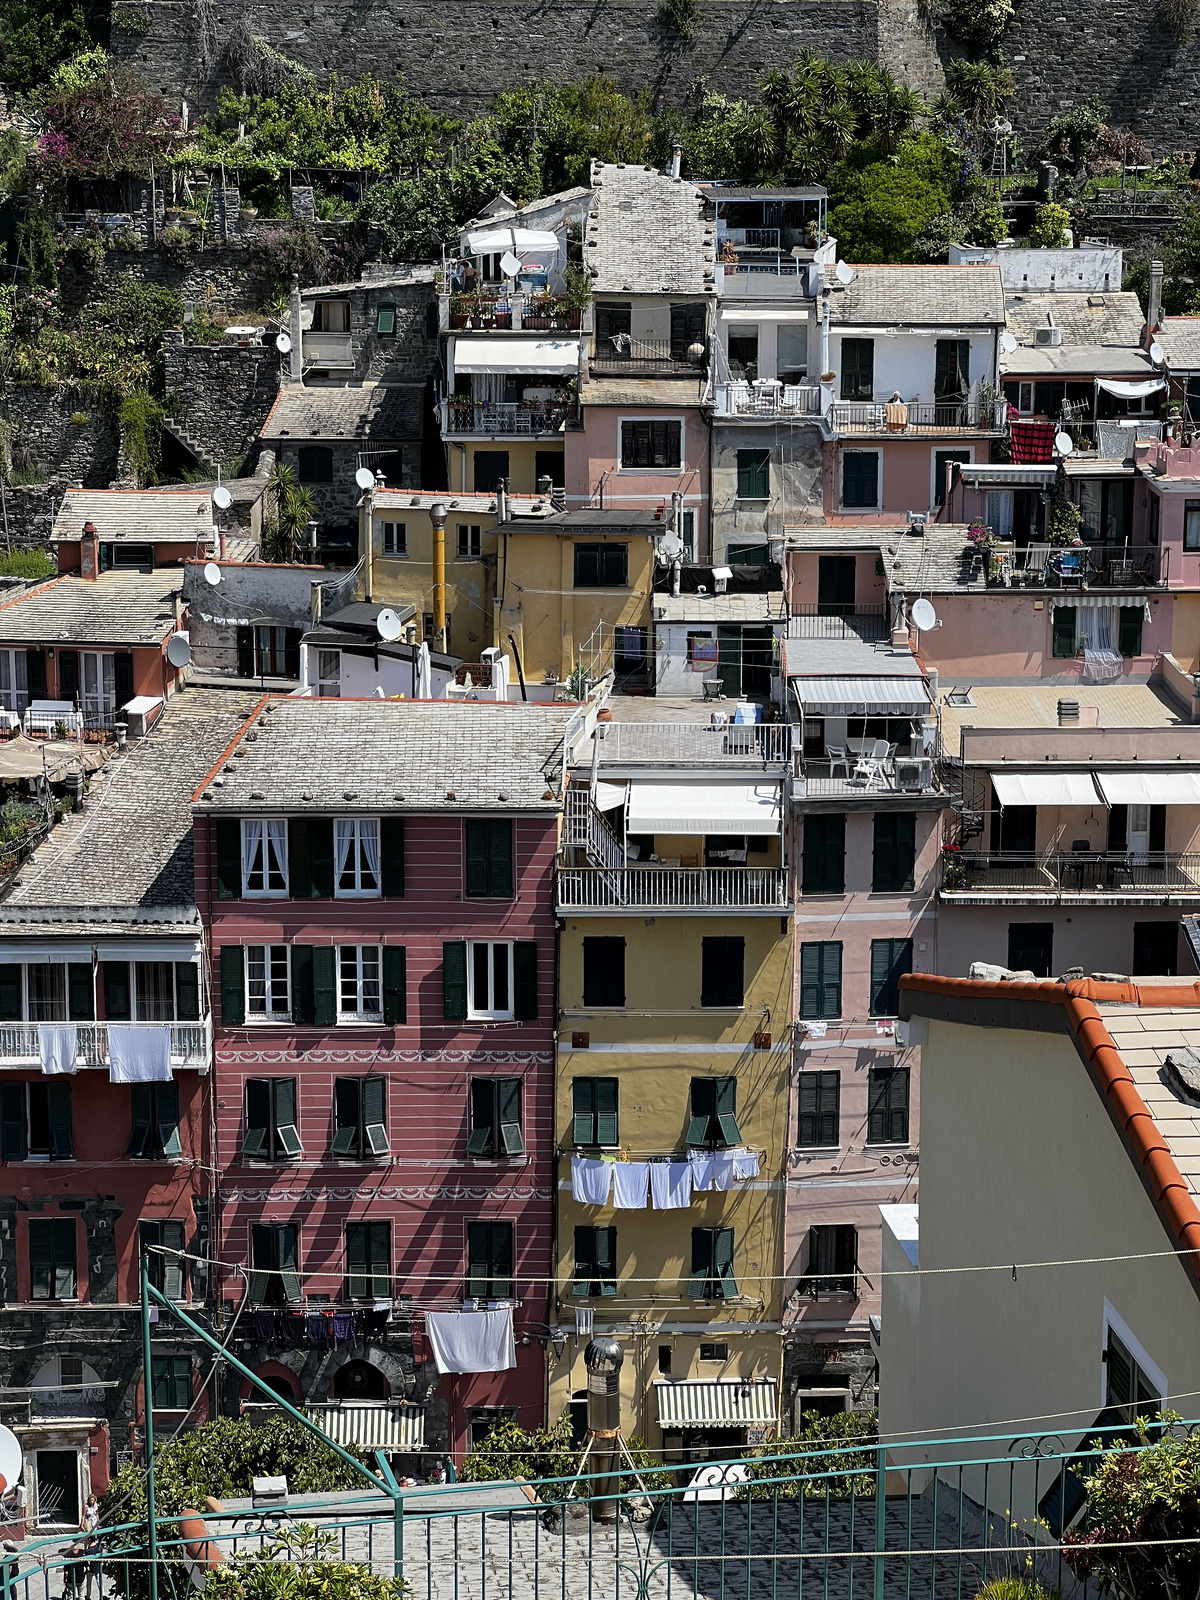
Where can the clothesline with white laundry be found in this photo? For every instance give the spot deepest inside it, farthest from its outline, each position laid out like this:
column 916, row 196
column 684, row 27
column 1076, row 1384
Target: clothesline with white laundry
column 669, row 1184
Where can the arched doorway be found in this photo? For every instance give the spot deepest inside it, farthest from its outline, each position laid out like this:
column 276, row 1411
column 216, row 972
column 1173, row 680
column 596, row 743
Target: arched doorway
column 359, row 1380
column 281, row 1386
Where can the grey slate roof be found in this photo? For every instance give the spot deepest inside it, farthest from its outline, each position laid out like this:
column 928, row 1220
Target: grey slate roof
column 1180, row 339
column 127, row 856
column 919, row 297
column 588, row 520
column 720, row 607
column 848, row 658
column 646, row 234
column 1077, row 360
column 673, row 392
column 391, row 280
column 117, row 608
column 1085, row 319
column 390, row 412
column 143, row 516
column 943, row 561
column 394, row 755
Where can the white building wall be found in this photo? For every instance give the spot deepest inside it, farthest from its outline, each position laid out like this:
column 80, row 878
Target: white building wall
column 908, row 362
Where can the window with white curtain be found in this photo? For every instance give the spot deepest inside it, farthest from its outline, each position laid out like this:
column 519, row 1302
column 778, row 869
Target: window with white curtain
column 264, row 856
column 360, row 995
column 999, row 512
column 14, row 680
column 46, row 991
column 356, row 853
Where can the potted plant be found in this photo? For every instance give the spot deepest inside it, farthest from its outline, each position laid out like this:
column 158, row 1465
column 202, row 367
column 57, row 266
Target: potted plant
column 577, row 291
column 460, row 310
column 954, row 868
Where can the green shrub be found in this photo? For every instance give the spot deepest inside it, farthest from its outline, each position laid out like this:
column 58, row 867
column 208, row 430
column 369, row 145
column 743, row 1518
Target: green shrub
column 536, row 1454
column 679, row 16
column 141, row 419
column 33, row 564
column 299, row 1563
column 826, row 1446
column 80, row 419
column 87, row 254
column 1050, row 224
column 1015, row 1589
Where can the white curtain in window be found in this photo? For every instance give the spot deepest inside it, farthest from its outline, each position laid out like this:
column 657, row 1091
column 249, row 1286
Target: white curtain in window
column 252, row 838
column 368, row 832
column 343, row 839
column 277, row 846
column 999, row 512
column 1101, row 661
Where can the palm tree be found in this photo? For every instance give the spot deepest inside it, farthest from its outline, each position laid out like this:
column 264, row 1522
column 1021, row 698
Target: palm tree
column 981, row 90
column 295, row 508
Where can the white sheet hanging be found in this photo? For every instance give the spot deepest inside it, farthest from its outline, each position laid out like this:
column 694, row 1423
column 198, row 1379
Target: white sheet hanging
column 58, row 1047
column 139, row 1054
column 472, row 1341
column 1131, row 391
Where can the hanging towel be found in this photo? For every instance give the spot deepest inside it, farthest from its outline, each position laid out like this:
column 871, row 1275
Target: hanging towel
column 671, row 1185
column 58, row 1045
column 723, row 1170
column 745, row 1163
column 591, row 1181
column 631, row 1185
column 585, row 1322
column 139, row 1055
column 472, row 1341
column 701, row 1163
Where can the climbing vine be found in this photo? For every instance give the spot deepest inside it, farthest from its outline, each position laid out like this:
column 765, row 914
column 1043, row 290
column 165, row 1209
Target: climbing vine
column 141, row 420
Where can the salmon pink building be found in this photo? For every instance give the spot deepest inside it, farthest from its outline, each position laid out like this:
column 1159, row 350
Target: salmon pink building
column 377, row 879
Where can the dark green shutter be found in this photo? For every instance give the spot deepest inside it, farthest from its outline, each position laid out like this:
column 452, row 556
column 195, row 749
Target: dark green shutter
column 606, row 1111
column 283, row 1113
column 477, row 878
column 381, row 1259
column 229, row 858
column 68, row 676
column 172, row 1267
column 508, row 1097
column 81, row 995
column 703, row 1102
column 245, row 652
column 123, row 676
column 288, row 1262
column 374, row 1116
column 887, row 1117
column 12, row 1121
column 894, row 852
column 881, row 966
column 41, row 1258
column 391, row 856
column 395, row 985
column 116, row 991
column 824, row 870
column 299, row 859
column 187, row 991
column 233, row 986
column 356, row 1260
column 320, row 847
column 303, row 996
column 753, row 475
column 585, row 1261
column 35, row 671
column 324, row 973
column 479, row 1258
column 606, row 1260
column 500, row 860
column 1129, row 635
column 10, row 991
column 58, row 1096
column 583, row 1111
column 726, row 1110
column 347, row 1103
column 525, row 980
column 454, row 980
column 481, row 1137
column 723, row 1263
column 141, row 1110
column 166, row 1118
column 1063, row 632
column 821, row 980
column 702, row 1260
column 255, row 1142
column 818, row 1108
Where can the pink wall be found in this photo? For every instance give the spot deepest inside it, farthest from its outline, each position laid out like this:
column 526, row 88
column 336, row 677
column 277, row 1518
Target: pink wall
column 1006, row 633
column 594, row 476
column 906, row 473
column 428, row 1189
column 803, row 567
column 1096, row 938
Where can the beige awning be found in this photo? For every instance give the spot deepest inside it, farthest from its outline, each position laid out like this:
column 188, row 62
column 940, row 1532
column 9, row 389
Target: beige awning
column 23, row 758
column 372, row 1424
column 1045, row 788
column 1150, row 788
column 695, row 1403
column 704, row 808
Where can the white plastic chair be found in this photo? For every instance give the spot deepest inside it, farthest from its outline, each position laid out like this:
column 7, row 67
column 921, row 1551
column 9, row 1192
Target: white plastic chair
column 839, row 756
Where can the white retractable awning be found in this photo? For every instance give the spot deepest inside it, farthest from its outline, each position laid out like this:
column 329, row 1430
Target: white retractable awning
column 703, row 808
column 857, row 697
column 608, row 796
column 372, row 1425
column 694, row 1403
column 559, row 357
column 1150, row 788
column 1105, row 602
column 27, row 948
column 521, row 241
column 1131, row 391
column 753, row 314
column 1044, row 788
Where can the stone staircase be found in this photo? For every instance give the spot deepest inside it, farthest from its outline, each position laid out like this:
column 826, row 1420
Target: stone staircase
column 191, row 444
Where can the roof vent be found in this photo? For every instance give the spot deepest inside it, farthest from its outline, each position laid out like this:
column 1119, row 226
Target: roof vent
column 1068, row 711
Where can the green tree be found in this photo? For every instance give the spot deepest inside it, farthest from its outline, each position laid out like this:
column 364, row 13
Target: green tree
column 979, row 89
column 36, row 36
column 299, row 1563
column 295, row 508
column 880, row 208
column 1050, row 224
column 797, row 1467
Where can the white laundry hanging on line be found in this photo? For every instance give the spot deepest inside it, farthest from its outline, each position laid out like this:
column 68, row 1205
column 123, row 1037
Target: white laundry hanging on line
column 631, row 1185
column 701, row 1163
column 745, row 1163
column 472, row 1341
column 590, row 1181
column 139, row 1055
column 671, row 1185
column 58, row 1047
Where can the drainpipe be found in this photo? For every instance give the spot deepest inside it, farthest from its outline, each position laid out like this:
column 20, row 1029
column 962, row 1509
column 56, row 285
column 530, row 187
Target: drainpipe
column 437, row 516
column 296, row 353
column 366, row 540
column 825, row 333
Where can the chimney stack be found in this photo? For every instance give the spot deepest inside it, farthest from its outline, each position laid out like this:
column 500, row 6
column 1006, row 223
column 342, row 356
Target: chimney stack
column 1154, row 306
column 676, row 159
column 89, row 552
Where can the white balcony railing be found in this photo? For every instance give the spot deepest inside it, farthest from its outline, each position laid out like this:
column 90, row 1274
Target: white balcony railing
column 745, row 399
column 19, row 1043
column 662, row 888
column 766, row 744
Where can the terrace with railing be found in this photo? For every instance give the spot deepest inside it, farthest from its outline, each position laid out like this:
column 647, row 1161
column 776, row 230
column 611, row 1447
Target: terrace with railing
column 811, row 620
column 767, row 397
column 1095, row 874
column 899, row 420
column 659, row 744
column 20, row 1042
column 623, row 355
column 462, row 415
column 1080, row 566
column 667, row 887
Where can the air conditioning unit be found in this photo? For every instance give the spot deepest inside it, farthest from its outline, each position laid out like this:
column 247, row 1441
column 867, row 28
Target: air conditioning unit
column 914, row 772
column 1047, row 337
column 916, row 521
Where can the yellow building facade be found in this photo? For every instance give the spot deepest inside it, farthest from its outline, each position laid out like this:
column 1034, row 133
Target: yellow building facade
column 688, row 1062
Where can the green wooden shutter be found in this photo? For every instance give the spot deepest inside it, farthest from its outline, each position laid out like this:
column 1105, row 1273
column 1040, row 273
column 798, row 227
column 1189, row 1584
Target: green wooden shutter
column 299, row 858
column 395, row 985
column 356, row 1260
column 830, row 1107
column 289, row 1266
column 12, row 1121
column 166, row 1118
column 726, row 1110
column 808, row 1103
column 702, row 1260
column 81, row 995
column 585, row 1262
column 525, row 980
column 380, row 1245
column 172, row 1267
column 391, row 856
column 283, row 1112
column 116, row 991
column 881, row 966
column 606, row 1260
column 141, row 1111
column 187, row 991
column 454, row 980
column 723, row 1263
column 895, row 851
column 10, row 991
column 753, row 475
column 233, row 986
column 606, row 1111
column 1063, row 631
column 583, row 1111
column 500, row 859
column 58, row 1096
column 35, row 674
column 508, row 1097
column 324, row 973
column 481, row 1138
column 703, row 1104
column 347, row 1103
column 320, row 851
column 303, row 994
column 810, row 980
column 374, row 1116
column 479, row 1258
column 831, row 979
column 258, row 1118
column 477, row 877
column 229, row 858
column 41, row 1258
column 1129, row 632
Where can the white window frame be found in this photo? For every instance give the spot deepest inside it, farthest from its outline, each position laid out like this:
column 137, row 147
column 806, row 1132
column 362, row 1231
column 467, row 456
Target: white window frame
column 270, row 956
column 269, row 842
column 473, row 550
column 1025, row 396
column 488, row 1011
column 658, row 471
column 349, row 834
column 938, row 449
column 360, row 981
column 1114, row 1320
column 862, row 450
column 388, row 530
column 99, row 698
column 329, row 685
column 14, row 680
column 56, row 966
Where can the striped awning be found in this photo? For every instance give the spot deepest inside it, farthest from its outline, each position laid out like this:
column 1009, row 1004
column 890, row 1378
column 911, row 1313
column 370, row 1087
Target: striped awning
column 372, row 1424
column 906, row 696
column 694, row 1403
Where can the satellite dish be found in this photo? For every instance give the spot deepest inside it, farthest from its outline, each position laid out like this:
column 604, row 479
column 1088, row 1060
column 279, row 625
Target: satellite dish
column 222, row 498
column 212, row 573
column 10, row 1460
column 388, row 624
column 843, row 274
column 923, row 615
column 283, row 343
column 1157, row 354
column 1064, row 444
column 671, row 546
column 509, row 264
column 364, row 478
column 1008, row 342
column 179, row 650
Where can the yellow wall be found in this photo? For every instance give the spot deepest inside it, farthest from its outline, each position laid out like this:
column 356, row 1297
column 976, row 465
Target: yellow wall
column 662, row 993
column 522, row 462
column 470, row 583
column 1185, row 631
column 553, row 621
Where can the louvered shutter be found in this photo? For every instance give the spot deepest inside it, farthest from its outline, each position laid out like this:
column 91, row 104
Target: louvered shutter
column 229, row 858
column 35, row 674
column 525, row 980
column 606, row 1111
column 62, row 1233
column 583, row 1111
column 1062, row 642
column 374, row 1116
column 258, row 1118
column 723, row 1263
column 172, row 1267
column 1119, row 1376
column 299, row 858
column 12, row 1121
column 288, row 1262
column 810, row 980
column 726, row 1110
column 481, row 1138
column 10, row 991
column 585, row 1262
column 391, row 856
column 324, row 970
column 703, row 1103
column 187, row 991
column 81, row 995
column 702, row 1261
column 141, row 1106
column 606, row 1260
column 508, row 1095
column 166, row 1118
column 454, row 980
column 356, row 1260
column 829, row 1085
column 808, row 1108
column 500, row 860
column 395, row 985
column 287, row 1134
column 380, row 1245
column 41, row 1258
column 478, row 1258
column 303, row 996
column 477, row 842
column 233, row 986
column 116, row 991
column 58, row 1097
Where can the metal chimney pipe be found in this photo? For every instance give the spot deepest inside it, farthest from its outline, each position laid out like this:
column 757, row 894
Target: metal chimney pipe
column 437, row 516
column 676, row 159
column 1154, row 304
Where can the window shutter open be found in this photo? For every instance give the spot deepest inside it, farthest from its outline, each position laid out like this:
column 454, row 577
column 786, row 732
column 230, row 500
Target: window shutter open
column 606, row 1260
column 356, row 1260
column 1063, row 632
column 525, row 980
column 723, row 1263
column 726, row 1110
column 81, row 996
column 187, row 991
column 374, row 1116
column 395, row 987
column 303, row 996
column 481, row 1138
column 141, row 1107
column 324, row 970
column 12, row 1121
column 391, row 856
column 258, row 1117
column 58, row 1096
column 229, row 858
column 287, row 1134
column 702, row 1260
column 10, row 991
column 585, row 1261
column 454, row 980
column 345, row 1116
column 703, row 1103
column 479, row 1258
column 583, row 1114
column 116, row 991
column 299, row 858
column 41, row 1259
column 606, row 1111
column 288, row 1262
column 233, row 986
column 172, row 1266
column 508, row 1095
column 166, row 1117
